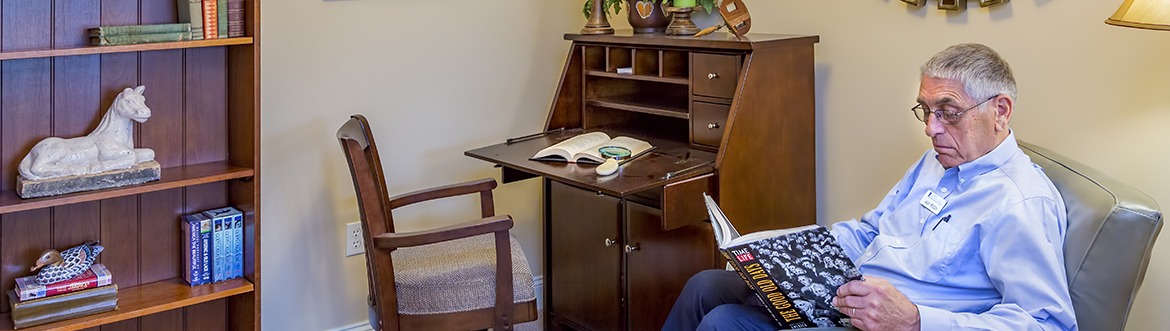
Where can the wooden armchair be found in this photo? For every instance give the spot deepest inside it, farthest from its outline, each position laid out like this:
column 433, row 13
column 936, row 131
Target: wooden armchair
column 469, row 276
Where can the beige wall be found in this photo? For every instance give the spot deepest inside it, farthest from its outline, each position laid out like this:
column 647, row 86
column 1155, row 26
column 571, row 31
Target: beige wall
column 440, row 77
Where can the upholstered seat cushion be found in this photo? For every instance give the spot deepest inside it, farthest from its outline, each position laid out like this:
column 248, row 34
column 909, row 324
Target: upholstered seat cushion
column 457, row 275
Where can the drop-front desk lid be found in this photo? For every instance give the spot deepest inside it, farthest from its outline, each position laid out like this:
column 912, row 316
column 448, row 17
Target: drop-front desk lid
column 644, row 172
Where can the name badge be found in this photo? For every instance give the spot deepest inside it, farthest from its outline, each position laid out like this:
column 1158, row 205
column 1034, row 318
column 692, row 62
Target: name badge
column 933, row 202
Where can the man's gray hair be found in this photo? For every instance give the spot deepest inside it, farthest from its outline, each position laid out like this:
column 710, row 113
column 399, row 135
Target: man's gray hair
column 980, row 69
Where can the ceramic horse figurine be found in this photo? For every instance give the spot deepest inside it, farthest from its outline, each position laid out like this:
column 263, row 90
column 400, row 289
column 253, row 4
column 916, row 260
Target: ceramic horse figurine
column 109, row 147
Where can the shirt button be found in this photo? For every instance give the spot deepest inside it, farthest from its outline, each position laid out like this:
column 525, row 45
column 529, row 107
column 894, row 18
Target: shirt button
column 944, row 190
column 961, row 180
column 898, row 241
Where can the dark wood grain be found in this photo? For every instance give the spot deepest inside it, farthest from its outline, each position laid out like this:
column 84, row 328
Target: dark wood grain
column 127, row 325
column 207, row 316
column 27, row 24
column 119, row 12
column 77, row 224
column 119, row 232
column 162, row 74
column 26, row 105
column 653, row 285
column 71, row 18
column 717, row 40
column 206, row 124
column 159, row 252
column 585, row 272
column 23, row 236
column 566, row 105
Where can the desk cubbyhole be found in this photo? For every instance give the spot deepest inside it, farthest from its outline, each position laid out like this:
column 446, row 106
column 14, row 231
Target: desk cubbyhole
column 674, row 64
column 634, row 95
column 636, row 124
column 619, row 58
column 594, row 57
column 646, row 62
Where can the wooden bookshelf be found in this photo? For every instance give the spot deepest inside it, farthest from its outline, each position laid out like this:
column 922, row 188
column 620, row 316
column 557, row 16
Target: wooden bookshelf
column 147, row 299
column 204, row 129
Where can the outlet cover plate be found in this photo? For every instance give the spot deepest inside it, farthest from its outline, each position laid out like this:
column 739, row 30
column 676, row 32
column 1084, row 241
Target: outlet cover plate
column 354, row 244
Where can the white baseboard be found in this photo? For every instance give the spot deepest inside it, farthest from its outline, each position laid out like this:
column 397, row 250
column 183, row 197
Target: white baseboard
column 537, row 282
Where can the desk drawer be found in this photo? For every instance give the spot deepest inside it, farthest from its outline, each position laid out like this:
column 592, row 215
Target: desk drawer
column 708, row 122
column 714, row 75
column 682, row 202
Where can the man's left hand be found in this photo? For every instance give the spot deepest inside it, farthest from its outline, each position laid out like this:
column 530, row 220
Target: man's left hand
column 874, row 304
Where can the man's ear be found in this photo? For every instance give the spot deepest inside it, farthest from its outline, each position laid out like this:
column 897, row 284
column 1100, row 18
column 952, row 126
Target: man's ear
column 1003, row 111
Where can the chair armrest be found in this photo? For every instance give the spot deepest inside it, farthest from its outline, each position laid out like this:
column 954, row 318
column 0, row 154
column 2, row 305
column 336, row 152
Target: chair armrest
column 483, row 186
column 486, row 225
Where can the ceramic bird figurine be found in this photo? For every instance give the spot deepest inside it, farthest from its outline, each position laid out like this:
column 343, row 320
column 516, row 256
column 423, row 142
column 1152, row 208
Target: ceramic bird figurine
column 58, row 266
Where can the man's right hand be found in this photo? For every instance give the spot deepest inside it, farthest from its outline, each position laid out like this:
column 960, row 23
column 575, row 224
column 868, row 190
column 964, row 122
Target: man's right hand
column 874, row 304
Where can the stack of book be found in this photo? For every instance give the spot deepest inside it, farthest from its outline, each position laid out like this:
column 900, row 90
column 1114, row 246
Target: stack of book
column 212, row 19
column 139, row 34
column 90, row 293
column 213, row 246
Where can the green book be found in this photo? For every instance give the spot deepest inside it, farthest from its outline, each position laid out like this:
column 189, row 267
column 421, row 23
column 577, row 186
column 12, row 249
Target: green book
column 139, row 29
column 191, row 12
column 222, row 13
column 139, row 38
column 63, row 306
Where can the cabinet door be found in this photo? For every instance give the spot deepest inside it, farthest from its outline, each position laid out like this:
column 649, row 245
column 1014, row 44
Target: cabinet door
column 661, row 263
column 584, row 257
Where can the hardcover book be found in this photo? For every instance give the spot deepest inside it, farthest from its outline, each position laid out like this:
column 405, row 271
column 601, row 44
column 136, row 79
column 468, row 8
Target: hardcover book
column 191, row 12
column 795, row 272
column 139, row 29
column 221, row 17
column 139, row 38
column 210, row 17
column 196, row 236
column 235, row 18
column 62, row 307
column 27, row 287
column 587, row 148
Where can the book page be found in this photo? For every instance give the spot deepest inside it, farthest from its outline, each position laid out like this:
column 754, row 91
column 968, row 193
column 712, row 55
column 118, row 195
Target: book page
column 724, row 231
column 757, row 236
column 569, row 147
column 636, row 147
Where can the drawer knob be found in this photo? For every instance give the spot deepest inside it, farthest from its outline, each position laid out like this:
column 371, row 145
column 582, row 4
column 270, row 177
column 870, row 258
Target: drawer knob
column 609, row 242
column 630, row 249
column 712, row 126
column 712, row 75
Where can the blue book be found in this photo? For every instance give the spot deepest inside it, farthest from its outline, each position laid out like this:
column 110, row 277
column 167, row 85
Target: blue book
column 228, row 242
column 196, row 230
column 238, row 247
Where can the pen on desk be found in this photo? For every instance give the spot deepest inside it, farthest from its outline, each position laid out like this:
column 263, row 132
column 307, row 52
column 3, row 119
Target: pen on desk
column 672, row 174
column 532, row 136
column 944, row 219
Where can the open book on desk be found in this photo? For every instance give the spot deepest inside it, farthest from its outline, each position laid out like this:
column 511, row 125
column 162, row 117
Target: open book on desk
column 795, row 272
column 586, row 148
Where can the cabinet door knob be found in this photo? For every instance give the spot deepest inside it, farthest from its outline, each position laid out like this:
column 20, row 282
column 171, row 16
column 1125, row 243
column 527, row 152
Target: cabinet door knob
column 712, row 75
column 609, row 242
column 712, row 126
column 631, row 248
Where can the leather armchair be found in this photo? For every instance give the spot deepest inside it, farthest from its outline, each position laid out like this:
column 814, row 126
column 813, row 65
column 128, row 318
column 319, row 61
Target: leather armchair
column 1111, row 232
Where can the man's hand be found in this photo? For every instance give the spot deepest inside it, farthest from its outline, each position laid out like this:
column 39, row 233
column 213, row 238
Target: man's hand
column 874, row 304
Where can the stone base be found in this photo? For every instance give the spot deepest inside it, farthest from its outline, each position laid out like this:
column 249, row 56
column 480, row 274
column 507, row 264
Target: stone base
column 138, row 174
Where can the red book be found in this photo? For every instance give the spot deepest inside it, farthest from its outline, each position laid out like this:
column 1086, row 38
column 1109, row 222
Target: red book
column 211, row 19
column 97, row 275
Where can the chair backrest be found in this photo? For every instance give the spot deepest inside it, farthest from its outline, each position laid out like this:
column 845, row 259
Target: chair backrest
column 1111, row 231
column 365, row 166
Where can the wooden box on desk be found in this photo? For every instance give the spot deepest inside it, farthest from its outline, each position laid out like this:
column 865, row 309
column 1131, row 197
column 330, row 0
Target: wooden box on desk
column 618, row 249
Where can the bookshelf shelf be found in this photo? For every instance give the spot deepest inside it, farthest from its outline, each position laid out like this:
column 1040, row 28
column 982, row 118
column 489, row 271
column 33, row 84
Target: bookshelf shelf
column 88, row 50
column 667, row 108
column 648, row 78
column 174, row 177
column 147, row 299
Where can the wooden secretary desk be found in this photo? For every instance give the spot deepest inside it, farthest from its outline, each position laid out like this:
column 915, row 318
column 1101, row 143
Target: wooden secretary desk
column 734, row 118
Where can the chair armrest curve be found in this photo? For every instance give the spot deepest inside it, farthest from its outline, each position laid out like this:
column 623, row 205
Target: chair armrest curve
column 485, row 225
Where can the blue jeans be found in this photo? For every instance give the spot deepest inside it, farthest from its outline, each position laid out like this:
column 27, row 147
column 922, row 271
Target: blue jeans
column 718, row 300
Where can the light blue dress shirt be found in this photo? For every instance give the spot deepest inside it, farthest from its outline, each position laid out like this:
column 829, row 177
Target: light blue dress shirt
column 991, row 258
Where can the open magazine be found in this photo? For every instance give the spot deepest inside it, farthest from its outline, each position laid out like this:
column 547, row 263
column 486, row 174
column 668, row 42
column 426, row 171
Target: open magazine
column 795, row 272
column 587, row 148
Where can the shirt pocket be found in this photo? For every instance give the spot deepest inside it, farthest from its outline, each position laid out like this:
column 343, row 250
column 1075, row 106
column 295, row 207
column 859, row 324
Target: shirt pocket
column 930, row 258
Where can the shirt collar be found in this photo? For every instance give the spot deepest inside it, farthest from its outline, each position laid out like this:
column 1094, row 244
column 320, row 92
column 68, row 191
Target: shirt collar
column 990, row 161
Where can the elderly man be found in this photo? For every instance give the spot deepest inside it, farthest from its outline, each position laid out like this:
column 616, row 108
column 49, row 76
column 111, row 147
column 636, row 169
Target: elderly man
column 970, row 238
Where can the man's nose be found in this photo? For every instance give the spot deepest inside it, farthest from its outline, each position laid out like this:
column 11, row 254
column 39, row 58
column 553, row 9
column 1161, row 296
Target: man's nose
column 934, row 126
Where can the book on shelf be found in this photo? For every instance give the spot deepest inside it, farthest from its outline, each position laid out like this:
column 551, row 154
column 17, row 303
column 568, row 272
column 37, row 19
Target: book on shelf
column 588, row 148
column 191, row 12
column 27, row 287
column 123, row 30
column 795, row 272
column 227, row 239
column 210, row 17
column 196, row 236
column 235, row 18
column 139, row 38
column 221, row 11
column 62, row 307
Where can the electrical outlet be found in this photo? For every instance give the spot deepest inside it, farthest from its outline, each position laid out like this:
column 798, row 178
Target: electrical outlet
column 354, row 244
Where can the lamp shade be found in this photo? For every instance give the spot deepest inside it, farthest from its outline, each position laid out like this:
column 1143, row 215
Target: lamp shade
column 1145, row 14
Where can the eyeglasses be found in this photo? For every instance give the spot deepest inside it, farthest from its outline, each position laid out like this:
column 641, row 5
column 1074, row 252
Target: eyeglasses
column 922, row 112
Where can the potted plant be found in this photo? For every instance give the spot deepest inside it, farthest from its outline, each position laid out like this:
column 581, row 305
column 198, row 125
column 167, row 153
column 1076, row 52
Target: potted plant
column 645, row 16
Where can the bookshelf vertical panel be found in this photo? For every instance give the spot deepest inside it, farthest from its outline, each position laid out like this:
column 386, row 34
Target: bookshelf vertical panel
column 23, row 236
column 167, row 320
column 26, row 24
column 159, row 12
column 646, row 62
column 119, row 12
column 71, row 16
column 243, row 106
column 25, row 89
column 119, row 235
column 161, row 253
column 76, row 108
column 127, row 325
column 74, row 225
column 162, row 74
column 207, row 316
column 206, row 105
